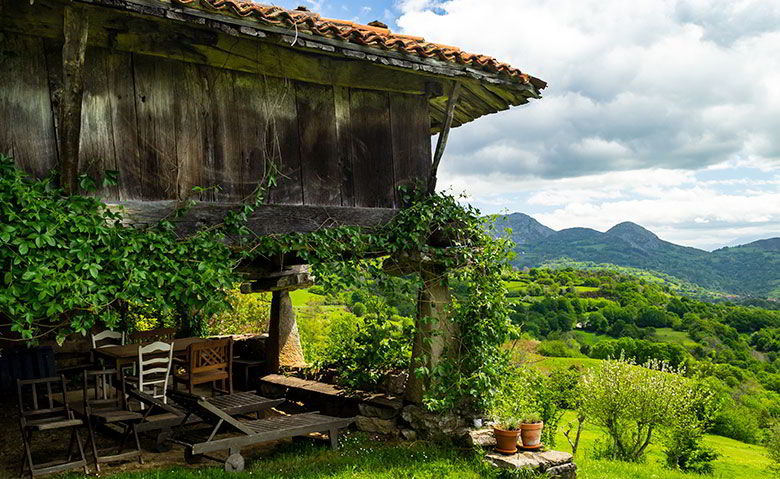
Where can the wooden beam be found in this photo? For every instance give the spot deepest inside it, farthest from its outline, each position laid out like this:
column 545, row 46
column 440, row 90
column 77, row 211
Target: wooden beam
column 445, row 132
column 159, row 31
column 75, row 30
column 433, row 340
column 289, row 279
column 266, row 220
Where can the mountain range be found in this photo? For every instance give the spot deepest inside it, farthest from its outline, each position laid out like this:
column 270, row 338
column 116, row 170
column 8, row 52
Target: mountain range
column 751, row 269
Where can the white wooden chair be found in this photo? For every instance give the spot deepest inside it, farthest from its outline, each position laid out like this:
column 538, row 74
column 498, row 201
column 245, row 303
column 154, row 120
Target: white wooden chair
column 111, row 338
column 108, row 338
column 154, row 369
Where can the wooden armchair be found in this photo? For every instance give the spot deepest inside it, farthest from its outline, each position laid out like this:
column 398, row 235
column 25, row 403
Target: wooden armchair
column 208, row 362
column 105, row 403
column 161, row 334
column 38, row 413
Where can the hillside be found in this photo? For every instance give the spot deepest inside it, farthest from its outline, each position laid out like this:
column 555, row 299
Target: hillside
column 752, row 269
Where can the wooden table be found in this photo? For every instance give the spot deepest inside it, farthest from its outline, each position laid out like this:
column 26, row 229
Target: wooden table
column 128, row 354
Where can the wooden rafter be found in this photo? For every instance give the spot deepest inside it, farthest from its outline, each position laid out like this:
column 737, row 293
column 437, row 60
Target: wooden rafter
column 445, row 132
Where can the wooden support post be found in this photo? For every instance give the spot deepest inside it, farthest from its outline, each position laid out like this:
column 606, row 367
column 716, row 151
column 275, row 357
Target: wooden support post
column 445, row 132
column 73, row 51
column 435, row 332
column 283, row 347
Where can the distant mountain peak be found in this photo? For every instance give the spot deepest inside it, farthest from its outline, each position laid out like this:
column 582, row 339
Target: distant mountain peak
column 769, row 244
column 525, row 229
column 747, row 269
column 636, row 236
column 633, row 229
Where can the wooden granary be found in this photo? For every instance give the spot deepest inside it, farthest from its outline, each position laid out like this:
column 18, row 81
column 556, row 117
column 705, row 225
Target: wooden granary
column 174, row 94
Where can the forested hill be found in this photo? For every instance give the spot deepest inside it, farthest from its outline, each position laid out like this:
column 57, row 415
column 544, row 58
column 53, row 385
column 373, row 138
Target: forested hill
column 752, row 269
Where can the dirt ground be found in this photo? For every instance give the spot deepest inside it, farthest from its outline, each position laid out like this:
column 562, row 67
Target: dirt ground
column 49, row 446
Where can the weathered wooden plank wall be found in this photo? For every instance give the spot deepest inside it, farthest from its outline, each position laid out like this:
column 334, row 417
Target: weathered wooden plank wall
column 372, row 153
column 168, row 126
column 26, row 121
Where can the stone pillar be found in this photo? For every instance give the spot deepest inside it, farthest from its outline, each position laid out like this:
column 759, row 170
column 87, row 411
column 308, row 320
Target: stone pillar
column 433, row 337
column 283, row 347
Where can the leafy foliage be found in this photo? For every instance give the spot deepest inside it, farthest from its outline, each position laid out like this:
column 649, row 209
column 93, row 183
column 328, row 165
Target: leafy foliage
column 773, row 448
column 248, row 314
column 630, row 403
column 68, row 263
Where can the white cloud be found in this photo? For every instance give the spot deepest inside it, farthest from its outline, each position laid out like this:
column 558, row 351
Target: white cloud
column 655, row 108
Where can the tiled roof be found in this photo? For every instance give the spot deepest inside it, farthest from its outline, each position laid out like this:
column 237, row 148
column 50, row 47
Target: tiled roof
column 376, row 35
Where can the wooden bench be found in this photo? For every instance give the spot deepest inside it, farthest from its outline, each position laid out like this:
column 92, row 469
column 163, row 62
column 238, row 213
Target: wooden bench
column 163, row 417
column 250, row 431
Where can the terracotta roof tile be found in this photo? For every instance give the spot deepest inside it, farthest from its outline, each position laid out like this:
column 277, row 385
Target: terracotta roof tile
column 367, row 35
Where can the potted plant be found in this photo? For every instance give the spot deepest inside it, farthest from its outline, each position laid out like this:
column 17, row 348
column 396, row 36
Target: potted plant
column 506, row 432
column 531, row 431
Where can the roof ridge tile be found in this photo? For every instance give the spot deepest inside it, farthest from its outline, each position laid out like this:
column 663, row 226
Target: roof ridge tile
column 367, row 35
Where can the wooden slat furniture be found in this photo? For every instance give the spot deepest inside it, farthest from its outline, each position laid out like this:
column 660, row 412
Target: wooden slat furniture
column 208, row 362
column 152, row 335
column 38, row 413
column 128, row 354
column 107, row 338
column 163, row 417
column 154, row 369
column 105, row 403
column 249, row 431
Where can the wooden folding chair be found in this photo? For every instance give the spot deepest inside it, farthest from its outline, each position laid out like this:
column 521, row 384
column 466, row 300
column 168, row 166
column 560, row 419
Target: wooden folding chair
column 249, row 432
column 43, row 416
column 208, row 362
column 105, row 403
column 154, row 368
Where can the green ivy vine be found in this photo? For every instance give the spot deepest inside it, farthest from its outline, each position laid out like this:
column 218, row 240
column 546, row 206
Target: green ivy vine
column 68, row 263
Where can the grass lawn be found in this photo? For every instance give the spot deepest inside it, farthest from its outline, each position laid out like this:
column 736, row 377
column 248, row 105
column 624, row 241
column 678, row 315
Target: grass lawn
column 737, row 460
column 588, row 337
column 548, row 364
column 586, row 289
column 669, row 335
column 359, row 458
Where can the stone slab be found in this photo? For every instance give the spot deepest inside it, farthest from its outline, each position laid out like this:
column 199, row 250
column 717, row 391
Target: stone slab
column 377, row 425
column 556, row 464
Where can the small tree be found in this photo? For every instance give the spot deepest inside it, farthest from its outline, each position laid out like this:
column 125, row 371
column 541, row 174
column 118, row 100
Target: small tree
column 631, row 403
column 773, row 448
column 684, row 449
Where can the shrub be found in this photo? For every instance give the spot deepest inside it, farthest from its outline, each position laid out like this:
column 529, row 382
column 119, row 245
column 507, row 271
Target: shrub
column 248, row 313
column 684, row 449
column 359, row 309
column 773, row 449
column 630, row 403
column 364, row 349
column 559, row 349
column 738, row 423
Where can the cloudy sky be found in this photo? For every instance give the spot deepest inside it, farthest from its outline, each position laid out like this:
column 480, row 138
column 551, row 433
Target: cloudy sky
column 661, row 112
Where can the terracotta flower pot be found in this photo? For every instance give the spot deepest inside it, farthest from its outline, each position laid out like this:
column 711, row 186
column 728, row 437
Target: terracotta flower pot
column 506, row 441
column 531, row 435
